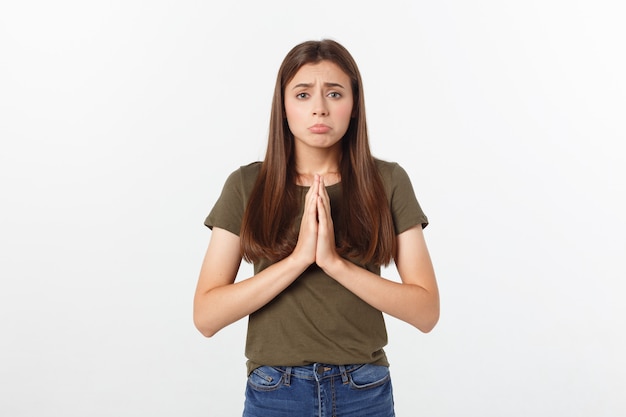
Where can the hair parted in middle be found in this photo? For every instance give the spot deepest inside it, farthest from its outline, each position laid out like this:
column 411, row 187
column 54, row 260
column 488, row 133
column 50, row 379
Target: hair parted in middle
column 366, row 229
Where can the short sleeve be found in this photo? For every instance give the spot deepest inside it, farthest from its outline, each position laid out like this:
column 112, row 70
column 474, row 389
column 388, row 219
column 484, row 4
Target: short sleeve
column 227, row 213
column 405, row 209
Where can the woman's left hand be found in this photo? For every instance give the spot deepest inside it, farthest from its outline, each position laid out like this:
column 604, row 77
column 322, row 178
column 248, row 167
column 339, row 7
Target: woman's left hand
column 326, row 252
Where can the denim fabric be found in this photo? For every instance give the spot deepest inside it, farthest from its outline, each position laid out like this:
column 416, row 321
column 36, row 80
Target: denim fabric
column 319, row 390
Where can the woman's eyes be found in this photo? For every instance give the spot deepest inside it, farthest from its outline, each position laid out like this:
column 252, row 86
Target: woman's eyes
column 333, row 94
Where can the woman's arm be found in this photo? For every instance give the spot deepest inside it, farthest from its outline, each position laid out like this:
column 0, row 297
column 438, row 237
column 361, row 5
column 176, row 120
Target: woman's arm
column 219, row 301
column 415, row 300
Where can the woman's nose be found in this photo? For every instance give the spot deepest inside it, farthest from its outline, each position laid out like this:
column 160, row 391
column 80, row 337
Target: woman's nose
column 319, row 107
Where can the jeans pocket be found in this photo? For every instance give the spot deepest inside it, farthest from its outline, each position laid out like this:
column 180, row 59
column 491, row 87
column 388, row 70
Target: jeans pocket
column 369, row 376
column 265, row 378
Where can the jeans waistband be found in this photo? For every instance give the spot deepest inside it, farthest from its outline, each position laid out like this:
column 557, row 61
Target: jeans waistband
column 317, row 371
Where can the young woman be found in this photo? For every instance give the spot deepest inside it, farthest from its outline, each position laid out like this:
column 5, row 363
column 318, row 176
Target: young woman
column 317, row 218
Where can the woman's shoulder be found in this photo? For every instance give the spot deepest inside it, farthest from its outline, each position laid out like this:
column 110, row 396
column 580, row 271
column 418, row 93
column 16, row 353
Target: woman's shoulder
column 244, row 177
column 388, row 170
column 247, row 172
column 250, row 170
column 394, row 176
column 385, row 166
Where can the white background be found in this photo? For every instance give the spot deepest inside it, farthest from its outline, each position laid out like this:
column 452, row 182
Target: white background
column 120, row 121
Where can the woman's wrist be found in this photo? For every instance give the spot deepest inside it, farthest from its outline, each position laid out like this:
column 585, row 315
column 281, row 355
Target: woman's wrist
column 335, row 267
column 297, row 262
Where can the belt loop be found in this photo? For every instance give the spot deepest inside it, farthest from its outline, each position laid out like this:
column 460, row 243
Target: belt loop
column 287, row 376
column 344, row 374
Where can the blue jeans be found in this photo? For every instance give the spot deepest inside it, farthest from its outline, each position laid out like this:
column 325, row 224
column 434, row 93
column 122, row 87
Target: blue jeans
column 319, row 390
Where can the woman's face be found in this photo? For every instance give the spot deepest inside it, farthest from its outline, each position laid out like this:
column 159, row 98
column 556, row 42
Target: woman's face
column 318, row 105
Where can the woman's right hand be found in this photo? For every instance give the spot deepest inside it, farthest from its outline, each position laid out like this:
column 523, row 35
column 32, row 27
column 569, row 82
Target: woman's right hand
column 306, row 246
column 220, row 301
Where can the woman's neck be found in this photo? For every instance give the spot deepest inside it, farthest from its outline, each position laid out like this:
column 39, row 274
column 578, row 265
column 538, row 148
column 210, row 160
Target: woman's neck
column 326, row 164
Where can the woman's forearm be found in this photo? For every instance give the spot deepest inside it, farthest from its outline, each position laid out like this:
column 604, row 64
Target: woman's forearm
column 411, row 303
column 218, row 307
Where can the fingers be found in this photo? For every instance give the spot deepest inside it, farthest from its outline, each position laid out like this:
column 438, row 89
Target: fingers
column 323, row 201
column 316, row 239
column 310, row 203
column 324, row 216
column 322, row 204
column 307, row 237
column 326, row 249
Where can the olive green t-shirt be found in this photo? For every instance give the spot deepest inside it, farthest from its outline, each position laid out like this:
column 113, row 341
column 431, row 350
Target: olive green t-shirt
column 315, row 319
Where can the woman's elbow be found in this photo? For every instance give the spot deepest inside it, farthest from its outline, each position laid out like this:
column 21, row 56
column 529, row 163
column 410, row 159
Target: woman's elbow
column 426, row 321
column 206, row 332
column 427, row 325
column 204, row 327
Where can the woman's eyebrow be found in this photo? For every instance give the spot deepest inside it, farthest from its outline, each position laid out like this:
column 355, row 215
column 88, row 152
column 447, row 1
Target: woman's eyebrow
column 309, row 85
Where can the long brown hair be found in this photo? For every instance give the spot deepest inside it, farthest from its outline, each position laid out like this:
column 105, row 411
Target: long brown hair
column 366, row 231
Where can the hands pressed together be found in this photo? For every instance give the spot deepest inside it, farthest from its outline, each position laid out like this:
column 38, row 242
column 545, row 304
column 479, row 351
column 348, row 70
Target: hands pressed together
column 316, row 240
column 220, row 300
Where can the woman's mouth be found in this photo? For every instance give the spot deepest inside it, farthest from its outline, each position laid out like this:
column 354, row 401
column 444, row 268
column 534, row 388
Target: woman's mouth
column 319, row 128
